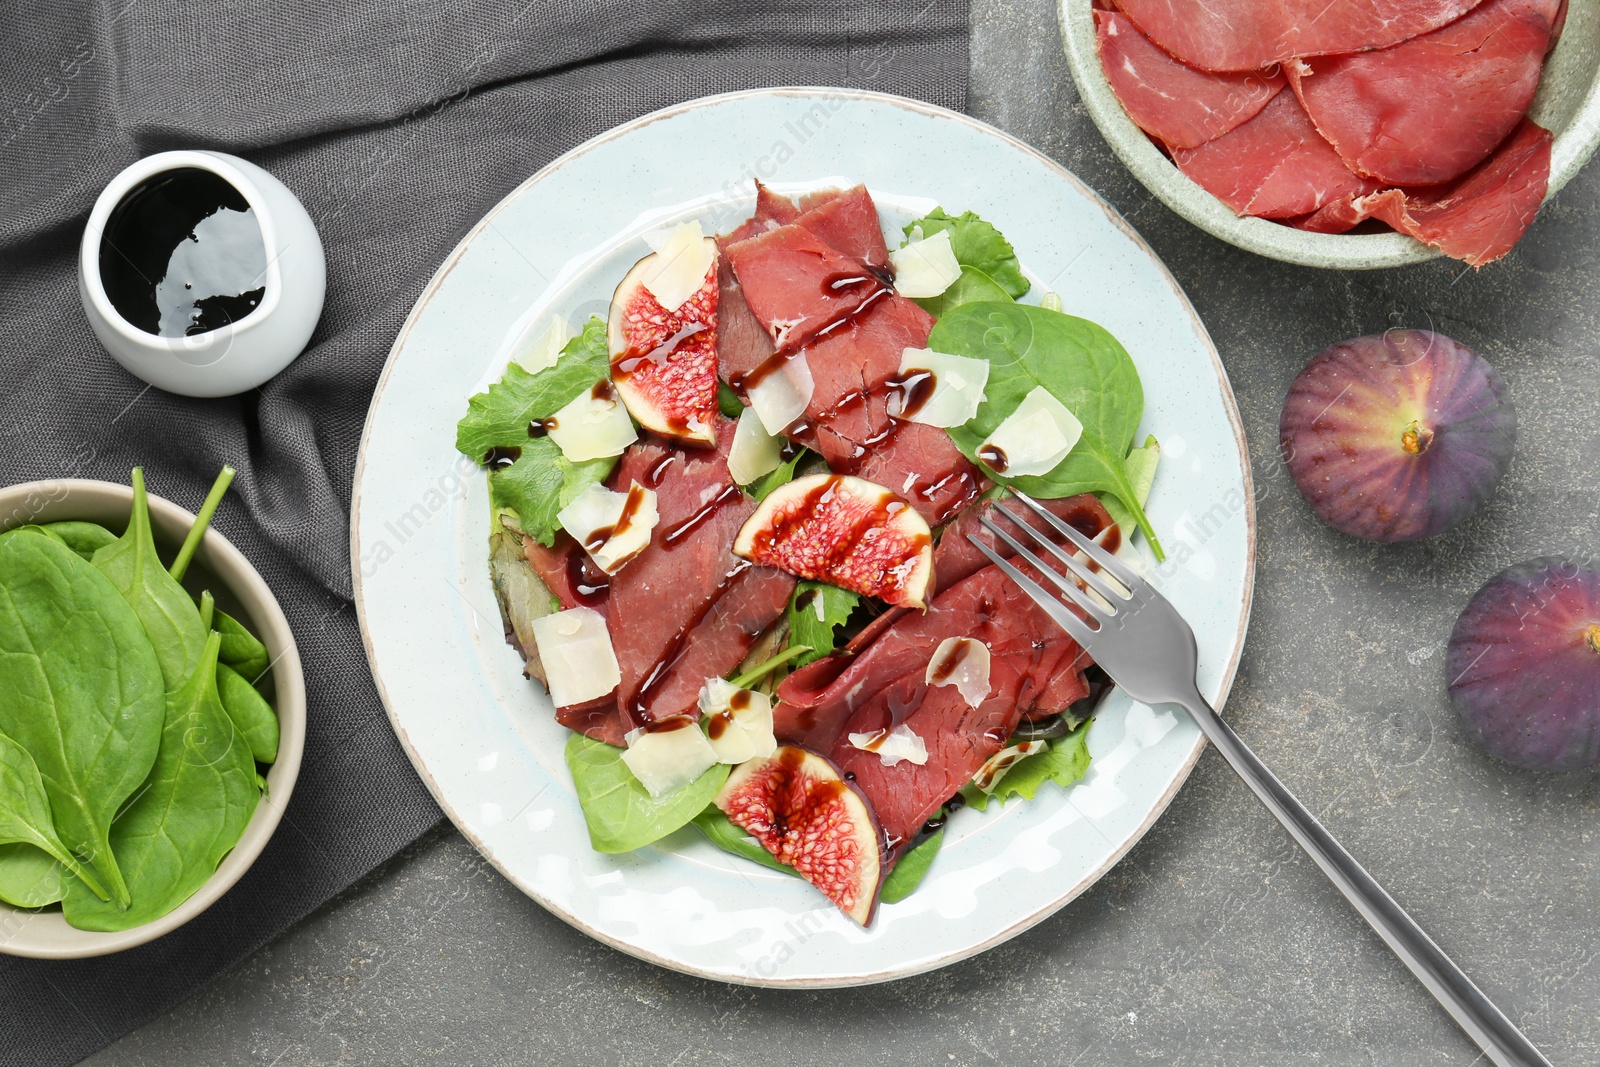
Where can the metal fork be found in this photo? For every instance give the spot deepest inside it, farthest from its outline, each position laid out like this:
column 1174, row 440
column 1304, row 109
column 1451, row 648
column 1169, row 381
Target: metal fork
column 1141, row 641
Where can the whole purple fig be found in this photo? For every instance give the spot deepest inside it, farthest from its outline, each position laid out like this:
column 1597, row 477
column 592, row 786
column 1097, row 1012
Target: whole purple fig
column 1397, row 436
column 1524, row 665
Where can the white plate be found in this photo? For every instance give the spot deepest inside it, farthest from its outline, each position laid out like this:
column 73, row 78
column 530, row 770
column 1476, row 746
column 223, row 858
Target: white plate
column 484, row 739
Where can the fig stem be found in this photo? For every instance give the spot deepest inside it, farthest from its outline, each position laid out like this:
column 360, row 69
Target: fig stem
column 1416, row 438
column 1593, row 635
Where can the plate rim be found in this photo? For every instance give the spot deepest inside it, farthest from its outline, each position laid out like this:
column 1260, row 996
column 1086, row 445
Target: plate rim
column 442, row 273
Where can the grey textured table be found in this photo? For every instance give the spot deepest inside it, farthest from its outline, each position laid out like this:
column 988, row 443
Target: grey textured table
column 1214, row 941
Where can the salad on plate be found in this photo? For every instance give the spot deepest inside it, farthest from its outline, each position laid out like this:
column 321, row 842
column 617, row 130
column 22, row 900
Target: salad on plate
column 731, row 526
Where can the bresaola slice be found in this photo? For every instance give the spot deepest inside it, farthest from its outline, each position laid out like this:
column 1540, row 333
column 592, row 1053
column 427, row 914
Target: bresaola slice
column 1237, row 35
column 1275, row 166
column 1481, row 217
column 797, row 285
column 1428, row 110
column 1179, row 105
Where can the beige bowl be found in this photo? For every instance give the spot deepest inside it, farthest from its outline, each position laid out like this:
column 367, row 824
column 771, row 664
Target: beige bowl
column 1568, row 104
column 240, row 592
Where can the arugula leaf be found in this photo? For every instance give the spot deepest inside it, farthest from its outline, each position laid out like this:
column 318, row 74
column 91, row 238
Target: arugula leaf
column 1081, row 364
column 816, row 610
column 976, row 244
column 1141, row 465
column 721, row 831
column 911, row 869
column 763, row 486
column 200, row 795
column 250, row 713
column 904, row 879
column 165, row 610
column 499, row 418
column 972, row 286
column 25, row 811
column 541, row 482
column 30, row 877
column 620, row 813
column 84, row 538
column 83, row 690
column 1066, row 761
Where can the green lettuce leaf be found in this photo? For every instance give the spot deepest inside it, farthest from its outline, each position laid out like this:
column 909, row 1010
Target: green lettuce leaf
column 816, row 611
column 542, row 480
column 976, row 244
column 972, row 286
column 620, row 812
column 1066, row 761
column 911, row 869
column 1141, row 465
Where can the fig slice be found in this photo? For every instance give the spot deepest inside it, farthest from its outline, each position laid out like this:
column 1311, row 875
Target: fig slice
column 846, row 531
column 802, row 810
column 664, row 362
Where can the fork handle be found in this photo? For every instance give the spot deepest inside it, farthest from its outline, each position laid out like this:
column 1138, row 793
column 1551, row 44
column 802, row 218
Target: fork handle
column 1501, row 1041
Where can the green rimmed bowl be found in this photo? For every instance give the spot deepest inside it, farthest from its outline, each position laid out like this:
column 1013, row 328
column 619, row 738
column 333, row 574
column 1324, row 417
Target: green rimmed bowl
column 241, row 592
column 1568, row 104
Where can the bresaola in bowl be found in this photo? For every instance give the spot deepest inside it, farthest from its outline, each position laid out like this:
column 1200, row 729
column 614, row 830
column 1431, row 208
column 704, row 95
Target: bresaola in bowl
column 1448, row 122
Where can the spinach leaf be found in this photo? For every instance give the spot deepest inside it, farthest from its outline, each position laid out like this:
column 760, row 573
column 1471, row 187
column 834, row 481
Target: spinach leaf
column 25, row 811
column 250, row 713
column 499, row 418
column 911, row 869
column 193, row 810
column 1081, row 364
column 728, row 401
column 83, row 690
column 976, row 244
column 1141, row 465
column 816, row 611
column 620, row 813
column 721, row 831
column 973, row 286
column 240, row 648
column 84, row 538
column 164, row 608
column 30, row 877
column 1066, row 761
column 541, row 482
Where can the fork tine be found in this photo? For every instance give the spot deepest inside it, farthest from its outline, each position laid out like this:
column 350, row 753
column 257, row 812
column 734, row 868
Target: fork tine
column 1076, row 628
column 1068, row 587
column 1074, row 564
column 1109, row 563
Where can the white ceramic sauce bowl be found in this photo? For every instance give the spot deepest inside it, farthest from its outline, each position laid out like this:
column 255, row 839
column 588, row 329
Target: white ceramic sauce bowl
column 1568, row 104
column 240, row 355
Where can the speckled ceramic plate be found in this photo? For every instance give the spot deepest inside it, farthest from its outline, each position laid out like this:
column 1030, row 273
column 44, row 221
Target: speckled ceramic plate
column 484, row 739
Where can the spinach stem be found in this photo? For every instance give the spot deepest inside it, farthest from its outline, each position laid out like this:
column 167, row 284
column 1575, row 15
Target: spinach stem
column 208, row 610
column 754, row 674
column 201, row 522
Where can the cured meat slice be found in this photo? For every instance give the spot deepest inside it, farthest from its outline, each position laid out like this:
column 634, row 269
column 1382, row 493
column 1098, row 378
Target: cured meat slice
column 1025, row 648
column 1179, row 105
column 797, row 285
column 849, row 222
column 687, row 608
column 566, row 571
column 954, row 558
column 1480, row 217
column 1430, row 109
column 848, row 419
column 1274, row 166
column 1232, row 35
column 743, row 344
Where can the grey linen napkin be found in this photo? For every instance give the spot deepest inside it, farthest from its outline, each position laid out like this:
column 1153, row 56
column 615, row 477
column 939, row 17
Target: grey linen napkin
column 398, row 123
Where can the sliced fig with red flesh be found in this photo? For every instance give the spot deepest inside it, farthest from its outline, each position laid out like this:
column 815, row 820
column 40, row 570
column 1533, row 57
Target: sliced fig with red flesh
column 664, row 362
column 802, row 810
column 846, row 531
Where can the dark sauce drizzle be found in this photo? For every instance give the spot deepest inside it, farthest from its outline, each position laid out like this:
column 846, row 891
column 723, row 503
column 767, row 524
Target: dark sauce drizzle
column 500, row 457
